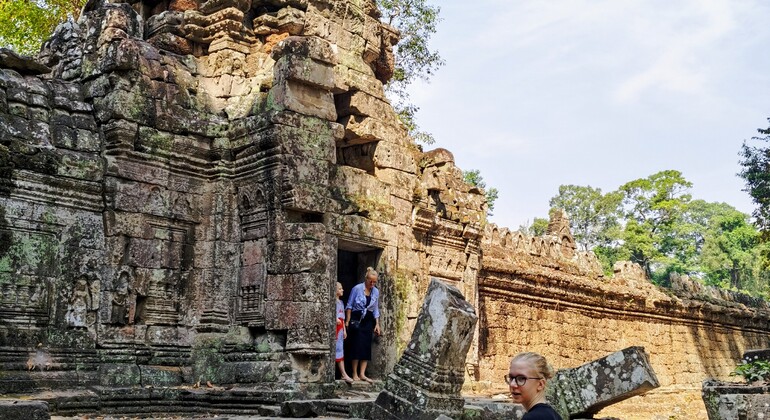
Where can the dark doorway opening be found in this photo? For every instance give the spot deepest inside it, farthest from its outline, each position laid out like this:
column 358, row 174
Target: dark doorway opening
column 352, row 260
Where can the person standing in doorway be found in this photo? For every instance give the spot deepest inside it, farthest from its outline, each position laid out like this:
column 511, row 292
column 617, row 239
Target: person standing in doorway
column 362, row 319
column 341, row 335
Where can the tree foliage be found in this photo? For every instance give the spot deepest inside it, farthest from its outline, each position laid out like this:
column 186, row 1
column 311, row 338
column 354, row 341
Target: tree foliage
column 474, row 178
column 654, row 208
column 538, row 227
column 756, row 172
column 25, row 24
column 417, row 21
column 593, row 215
column 654, row 222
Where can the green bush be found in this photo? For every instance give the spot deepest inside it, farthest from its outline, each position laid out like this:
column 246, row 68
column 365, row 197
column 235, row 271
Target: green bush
column 758, row 370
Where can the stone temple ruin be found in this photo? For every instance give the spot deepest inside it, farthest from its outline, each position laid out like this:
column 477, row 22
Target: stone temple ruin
column 182, row 183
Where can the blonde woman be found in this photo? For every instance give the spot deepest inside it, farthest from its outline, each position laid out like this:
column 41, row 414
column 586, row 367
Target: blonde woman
column 526, row 380
column 362, row 320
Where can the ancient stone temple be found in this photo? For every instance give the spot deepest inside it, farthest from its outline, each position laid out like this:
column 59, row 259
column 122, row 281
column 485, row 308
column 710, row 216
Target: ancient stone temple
column 182, row 182
column 184, row 186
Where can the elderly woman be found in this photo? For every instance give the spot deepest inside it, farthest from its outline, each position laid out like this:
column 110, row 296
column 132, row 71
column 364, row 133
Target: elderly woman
column 362, row 319
column 526, row 379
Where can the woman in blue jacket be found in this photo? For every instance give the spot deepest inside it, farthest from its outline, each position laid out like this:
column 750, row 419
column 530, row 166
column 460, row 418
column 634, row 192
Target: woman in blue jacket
column 362, row 319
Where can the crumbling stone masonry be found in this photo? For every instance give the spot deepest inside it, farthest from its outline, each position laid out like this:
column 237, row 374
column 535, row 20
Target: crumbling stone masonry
column 183, row 188
column 427, row 380
column 182, row 182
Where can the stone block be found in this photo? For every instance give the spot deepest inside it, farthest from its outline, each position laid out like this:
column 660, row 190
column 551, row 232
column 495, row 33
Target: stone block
column 160, row 376
column 304, row 70
column 77, row 165
column 354, row 62
column 306, row 408
column 394, row 156
column 285, row 257
column 302, row 98
column 360, row 129
column 427, row 380
column 730, row 401
column 119, row 375
column 587, row 389
column 24, row 410
column 307, row 142
column 311, row 47
column 364, row 104
column 314, row 317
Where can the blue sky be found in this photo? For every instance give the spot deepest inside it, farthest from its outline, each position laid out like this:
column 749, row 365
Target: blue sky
column 541, row 93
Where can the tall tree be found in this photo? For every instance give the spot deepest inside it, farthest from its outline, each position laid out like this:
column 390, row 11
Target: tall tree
column 652, row 237
column 417, row 21
column 593, row 216
column 756, row 172
column 730, row 251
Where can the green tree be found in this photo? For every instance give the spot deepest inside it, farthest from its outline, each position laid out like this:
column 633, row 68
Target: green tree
column 538, row 227
column 416, row 20
column 474, row 178
column 25, row 24
column 756, row 172
column 654, row 232
column 730, row 251
column 593, row 216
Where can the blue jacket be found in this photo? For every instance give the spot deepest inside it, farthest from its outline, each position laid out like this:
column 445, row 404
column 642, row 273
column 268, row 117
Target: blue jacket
column 357, row 300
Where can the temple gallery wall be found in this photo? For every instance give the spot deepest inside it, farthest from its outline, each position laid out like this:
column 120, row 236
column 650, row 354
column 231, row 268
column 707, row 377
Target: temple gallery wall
column 181, row 184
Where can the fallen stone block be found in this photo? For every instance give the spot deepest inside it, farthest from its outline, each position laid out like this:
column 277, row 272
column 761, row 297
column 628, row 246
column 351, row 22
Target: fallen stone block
column 587, row 389
column 308, row 408
column 24, row 410
column 729, row 401
column 427, row 380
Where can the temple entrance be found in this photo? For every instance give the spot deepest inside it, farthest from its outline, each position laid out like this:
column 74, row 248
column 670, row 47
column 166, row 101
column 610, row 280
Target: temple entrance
column 352, row 260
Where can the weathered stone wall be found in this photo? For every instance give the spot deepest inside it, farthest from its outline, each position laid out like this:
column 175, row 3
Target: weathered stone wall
column 178, row 189
column 180, row 192
column 533, row 297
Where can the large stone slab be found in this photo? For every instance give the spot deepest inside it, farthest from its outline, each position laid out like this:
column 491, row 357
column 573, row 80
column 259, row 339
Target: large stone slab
column 427, row 380
column 587, row 389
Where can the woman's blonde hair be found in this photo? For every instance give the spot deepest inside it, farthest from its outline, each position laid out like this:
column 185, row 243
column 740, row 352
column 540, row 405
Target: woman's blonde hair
column 371, row 272
column 537, row 361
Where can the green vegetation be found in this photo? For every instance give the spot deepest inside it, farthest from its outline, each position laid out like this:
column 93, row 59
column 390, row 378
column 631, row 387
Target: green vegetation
column 25, row 24
column 474, row 178
column 756, row 371
column 756, row 173
column 416, row 21
column 655, row 223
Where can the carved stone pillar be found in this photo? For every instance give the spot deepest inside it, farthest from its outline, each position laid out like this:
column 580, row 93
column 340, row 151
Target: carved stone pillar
column 427, row 380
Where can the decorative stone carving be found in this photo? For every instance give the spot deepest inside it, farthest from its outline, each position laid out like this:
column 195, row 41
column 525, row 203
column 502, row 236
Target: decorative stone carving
column 427, row 380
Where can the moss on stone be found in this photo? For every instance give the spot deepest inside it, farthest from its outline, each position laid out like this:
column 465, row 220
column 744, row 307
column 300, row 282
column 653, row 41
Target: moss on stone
column 401, row 285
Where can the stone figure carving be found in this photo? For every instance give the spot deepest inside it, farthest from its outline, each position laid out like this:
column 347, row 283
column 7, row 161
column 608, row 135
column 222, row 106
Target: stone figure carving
column 119, row 313
column 76, row 315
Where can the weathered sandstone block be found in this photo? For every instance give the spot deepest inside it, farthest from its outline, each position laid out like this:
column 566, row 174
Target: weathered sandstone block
column 587, row 389
column 427, row 380
column 730, row 401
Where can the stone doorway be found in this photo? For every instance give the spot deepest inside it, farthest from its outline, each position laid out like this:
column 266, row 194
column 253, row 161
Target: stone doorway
column 352, row 260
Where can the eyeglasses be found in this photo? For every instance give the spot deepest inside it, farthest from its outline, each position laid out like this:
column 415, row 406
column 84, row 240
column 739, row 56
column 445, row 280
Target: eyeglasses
column 520, row 380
